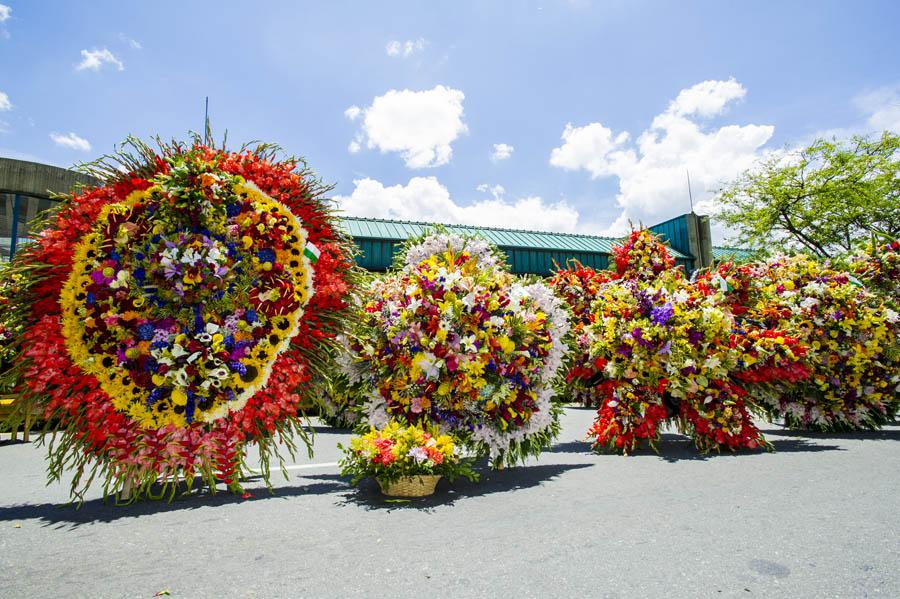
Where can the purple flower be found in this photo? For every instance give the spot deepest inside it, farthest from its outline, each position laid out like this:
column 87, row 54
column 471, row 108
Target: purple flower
column 662, row 314
column 638, row 335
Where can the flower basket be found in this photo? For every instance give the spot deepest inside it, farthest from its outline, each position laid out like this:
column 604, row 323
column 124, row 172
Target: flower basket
column 410, row 486
column 407, row 460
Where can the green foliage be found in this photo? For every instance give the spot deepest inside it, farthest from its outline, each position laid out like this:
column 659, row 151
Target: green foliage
column 823, row 199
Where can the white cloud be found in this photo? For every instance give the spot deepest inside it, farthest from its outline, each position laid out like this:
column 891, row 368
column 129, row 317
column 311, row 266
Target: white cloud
column 5, row 104
column 71, row 141
column 420, row 125
column 652, row 169
column 593, row 148
column 95, row 59
column 353, row 112
column 501, row 152
column 405, row 49
column 425, row 199
column 707, row 98
column 496, row 191
column 5, row 12
column 133, row 43
column 883, row 107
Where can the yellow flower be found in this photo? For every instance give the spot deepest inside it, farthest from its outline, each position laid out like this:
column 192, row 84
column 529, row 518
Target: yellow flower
column 179, row 397
column 506, row 344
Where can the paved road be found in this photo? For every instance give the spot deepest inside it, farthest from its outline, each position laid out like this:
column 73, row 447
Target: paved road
column 819, row 518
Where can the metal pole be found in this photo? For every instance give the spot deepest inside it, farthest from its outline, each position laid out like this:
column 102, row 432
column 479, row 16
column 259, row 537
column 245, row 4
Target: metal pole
column 690, row 193
column 14, row 234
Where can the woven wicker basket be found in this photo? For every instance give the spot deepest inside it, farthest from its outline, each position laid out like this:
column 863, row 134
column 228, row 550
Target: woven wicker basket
column 411, row 486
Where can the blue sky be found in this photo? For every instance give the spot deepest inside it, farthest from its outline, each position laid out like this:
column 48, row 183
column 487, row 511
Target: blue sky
column 601, row 106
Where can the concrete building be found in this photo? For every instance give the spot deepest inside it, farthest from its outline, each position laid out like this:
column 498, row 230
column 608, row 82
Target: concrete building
column 26, row 189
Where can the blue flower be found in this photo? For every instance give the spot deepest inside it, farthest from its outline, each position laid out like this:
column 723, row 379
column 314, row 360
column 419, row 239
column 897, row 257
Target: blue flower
column 189, row 408
column 238, row 367
column 232, row 210
column 155, row 395
column 146, row 331
column 266, row 255
column 250, row 316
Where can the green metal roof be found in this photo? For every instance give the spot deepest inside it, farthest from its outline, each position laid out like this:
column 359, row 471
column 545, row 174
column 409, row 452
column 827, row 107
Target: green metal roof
column 727, row 253
column 398, row 230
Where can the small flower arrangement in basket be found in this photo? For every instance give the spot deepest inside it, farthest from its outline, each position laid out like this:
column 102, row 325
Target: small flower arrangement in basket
column 407, row 460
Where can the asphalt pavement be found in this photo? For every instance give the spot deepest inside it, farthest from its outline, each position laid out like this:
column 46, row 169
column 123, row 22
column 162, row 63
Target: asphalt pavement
column 818, row 518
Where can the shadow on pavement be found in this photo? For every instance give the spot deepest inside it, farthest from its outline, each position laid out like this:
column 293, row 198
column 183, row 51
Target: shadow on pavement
column 368, row 495
column 675, row 448
column 98, row 510
column 4, row 442
column 571, row 447
column 882, row 435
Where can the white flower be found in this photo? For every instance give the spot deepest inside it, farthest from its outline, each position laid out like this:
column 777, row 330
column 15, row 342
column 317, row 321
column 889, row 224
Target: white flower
column 418, row 454
column 430, row 365
column 891, row 316
column 809, row 302
column 451, row 278
column 712, row 362
column 121, row 280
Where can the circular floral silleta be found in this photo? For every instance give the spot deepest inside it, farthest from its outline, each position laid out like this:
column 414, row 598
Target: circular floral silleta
column 179, row 303
column 180, row 313
column 452, row 338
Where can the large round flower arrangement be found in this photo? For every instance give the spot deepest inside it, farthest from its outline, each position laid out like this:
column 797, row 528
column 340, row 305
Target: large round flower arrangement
column 179, row 312
column 668, row 356
column 578, row 286
column 847, row 337
column 452, row 338
column 662, row 352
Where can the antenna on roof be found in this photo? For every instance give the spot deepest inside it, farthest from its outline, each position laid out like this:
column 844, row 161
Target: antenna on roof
column 690, row 193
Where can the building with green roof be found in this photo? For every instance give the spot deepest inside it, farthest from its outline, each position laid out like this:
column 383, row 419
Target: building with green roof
column 528, row 252
column 26, row 188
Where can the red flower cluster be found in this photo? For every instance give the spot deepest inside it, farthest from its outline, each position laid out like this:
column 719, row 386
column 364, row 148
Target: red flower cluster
column 726, row 401
column 608, row 429
column 578, row 286
column 642, row 256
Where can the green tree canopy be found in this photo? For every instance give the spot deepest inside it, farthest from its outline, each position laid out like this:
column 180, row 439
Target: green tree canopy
column 822, row 199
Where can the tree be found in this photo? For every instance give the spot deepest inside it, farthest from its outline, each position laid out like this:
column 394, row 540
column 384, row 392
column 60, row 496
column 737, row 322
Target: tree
column 823, row 199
